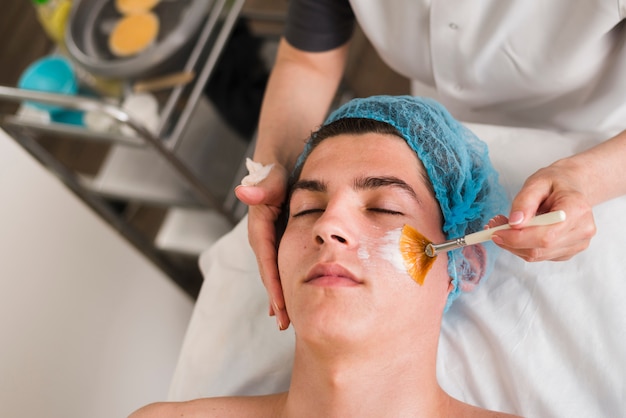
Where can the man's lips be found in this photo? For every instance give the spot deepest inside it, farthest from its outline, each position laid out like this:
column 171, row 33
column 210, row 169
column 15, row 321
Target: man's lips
column 331, row 275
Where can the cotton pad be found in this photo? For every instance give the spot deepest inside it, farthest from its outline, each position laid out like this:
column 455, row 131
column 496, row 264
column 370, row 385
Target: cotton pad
column 257, row 172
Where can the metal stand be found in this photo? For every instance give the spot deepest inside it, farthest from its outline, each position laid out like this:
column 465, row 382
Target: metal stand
column 176, row 116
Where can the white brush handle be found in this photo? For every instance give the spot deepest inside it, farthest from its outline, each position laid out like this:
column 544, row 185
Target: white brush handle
column 540, row 220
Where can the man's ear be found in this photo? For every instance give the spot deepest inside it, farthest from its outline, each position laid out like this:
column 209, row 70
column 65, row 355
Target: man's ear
column 473, row 268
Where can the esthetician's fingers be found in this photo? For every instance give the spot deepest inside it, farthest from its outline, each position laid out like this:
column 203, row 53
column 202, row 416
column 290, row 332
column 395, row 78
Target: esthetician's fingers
column 549, row 189
column 265, row 200
column 497, row 221
column 543, row 240
column 262, row 237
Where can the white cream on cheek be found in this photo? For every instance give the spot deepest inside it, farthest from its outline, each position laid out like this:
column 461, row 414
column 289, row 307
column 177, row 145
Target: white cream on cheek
column 390, row 249
column 374, row 251
column 363, row 253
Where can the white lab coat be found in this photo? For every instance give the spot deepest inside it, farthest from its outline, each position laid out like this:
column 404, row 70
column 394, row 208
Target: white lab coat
column 557, row 64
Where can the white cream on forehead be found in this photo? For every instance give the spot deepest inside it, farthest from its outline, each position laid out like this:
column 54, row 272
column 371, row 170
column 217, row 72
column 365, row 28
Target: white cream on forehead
column 386, row 248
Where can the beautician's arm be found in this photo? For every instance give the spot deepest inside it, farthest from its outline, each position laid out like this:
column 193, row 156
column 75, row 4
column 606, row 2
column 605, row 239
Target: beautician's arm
column 298, row 95
column 575, row 185
column 299, row 92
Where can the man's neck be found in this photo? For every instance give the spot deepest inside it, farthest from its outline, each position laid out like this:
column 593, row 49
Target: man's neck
column 365, row 384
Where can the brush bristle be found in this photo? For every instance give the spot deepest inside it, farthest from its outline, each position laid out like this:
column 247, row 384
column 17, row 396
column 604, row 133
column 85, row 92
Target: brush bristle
column 412, row 248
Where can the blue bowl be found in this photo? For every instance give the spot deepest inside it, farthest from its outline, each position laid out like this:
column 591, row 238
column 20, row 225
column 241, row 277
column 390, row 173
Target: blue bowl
column 52, row 74
column 70, row 117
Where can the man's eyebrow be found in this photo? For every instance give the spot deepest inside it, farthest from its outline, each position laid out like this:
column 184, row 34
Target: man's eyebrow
column 361, row 183
column 310, row 185
column 385, row 181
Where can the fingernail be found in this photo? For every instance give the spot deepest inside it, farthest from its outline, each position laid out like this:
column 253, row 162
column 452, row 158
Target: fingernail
column 516, row 218
column 497, row 240
column 280, row 325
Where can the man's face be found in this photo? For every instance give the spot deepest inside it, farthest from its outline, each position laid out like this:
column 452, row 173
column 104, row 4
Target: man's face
column 339, row 258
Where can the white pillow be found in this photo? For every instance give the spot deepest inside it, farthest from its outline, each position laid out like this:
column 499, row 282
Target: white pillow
column 538, row 339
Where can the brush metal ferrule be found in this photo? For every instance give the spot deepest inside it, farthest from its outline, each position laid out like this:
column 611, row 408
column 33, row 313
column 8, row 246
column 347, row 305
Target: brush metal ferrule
column 433, row 249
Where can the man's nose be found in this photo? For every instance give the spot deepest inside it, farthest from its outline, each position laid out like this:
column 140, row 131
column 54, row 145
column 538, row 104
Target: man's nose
column 335, row 226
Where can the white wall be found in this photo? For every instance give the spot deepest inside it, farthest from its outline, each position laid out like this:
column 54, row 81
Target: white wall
column 88, row 327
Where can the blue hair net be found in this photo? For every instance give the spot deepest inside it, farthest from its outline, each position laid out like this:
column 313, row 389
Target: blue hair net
column 456, row 161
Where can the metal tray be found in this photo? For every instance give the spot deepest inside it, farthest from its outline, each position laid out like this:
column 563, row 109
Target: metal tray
column 91, row 22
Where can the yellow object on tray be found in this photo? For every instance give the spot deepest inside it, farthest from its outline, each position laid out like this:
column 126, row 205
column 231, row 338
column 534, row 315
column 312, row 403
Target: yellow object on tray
column 53, row 15
column 133, row 33
column 126, row 7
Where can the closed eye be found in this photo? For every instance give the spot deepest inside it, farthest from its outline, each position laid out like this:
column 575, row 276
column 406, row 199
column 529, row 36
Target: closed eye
column 376, row 210
column 307, row 212
column 385, row 211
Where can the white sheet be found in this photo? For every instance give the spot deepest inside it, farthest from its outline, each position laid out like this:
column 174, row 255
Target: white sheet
column 537, row 339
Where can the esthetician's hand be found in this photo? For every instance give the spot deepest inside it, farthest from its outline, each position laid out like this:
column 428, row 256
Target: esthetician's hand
column 559, row 186
column 574, row 185
column 264, row 200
